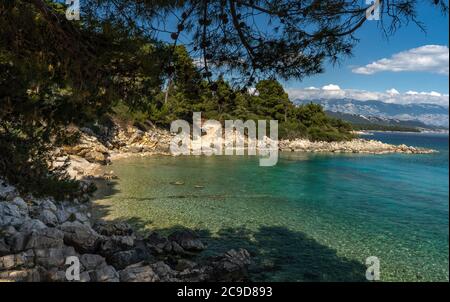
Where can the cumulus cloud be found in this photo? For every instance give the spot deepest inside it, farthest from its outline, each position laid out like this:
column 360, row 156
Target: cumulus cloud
column 331, row 87
column 428, row 58
column 389, row 96
column 392, row 91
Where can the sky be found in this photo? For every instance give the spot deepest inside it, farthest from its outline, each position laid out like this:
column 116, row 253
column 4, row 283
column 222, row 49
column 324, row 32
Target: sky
column 409, row 67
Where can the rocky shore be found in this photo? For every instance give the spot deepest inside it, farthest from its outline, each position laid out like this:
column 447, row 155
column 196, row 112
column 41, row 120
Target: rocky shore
column 115, row 142
column 38, row 235
column 353, row 146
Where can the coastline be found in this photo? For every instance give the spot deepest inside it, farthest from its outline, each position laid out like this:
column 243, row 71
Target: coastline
column 38, row 234
column 95, row 151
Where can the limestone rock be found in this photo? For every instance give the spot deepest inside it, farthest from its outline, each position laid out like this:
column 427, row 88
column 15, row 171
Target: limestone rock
column 45, row 238
column 122, row 259
column 231, row 267
column 80, row 236
column 164, row 271
column 7, row 192
column 32, row 225
column 48, row 218
column 23, row 275
column 95, row 157
column 54, row 257
column 138, row 273
column 21, row 204
column 113, row 244
column 110, row 229
column 188, row 240
column 92, row 261
column 105, row 273
column 10, row 214
column 4, row 248
column 14, row 261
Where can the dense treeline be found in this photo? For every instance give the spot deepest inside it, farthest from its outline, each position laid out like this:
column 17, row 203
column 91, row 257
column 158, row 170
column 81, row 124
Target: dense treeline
column 187, row 92
column 55, row 71
column 376, row 127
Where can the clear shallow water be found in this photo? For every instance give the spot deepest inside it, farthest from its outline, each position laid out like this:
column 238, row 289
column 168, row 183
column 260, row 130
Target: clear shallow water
column 311, row 217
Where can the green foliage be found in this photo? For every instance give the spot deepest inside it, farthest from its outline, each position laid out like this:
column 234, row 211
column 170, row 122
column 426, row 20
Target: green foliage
column 55, row 72
column 375, row 127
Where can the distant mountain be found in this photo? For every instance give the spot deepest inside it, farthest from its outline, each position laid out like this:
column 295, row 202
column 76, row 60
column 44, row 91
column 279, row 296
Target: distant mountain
column 426, row 114
column 381, row 123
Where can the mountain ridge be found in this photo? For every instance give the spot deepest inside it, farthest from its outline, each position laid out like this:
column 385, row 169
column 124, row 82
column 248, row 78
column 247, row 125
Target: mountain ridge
column 432, row 115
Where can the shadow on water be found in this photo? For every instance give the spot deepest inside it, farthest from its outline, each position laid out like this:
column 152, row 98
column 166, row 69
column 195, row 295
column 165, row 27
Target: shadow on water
column 278, row 253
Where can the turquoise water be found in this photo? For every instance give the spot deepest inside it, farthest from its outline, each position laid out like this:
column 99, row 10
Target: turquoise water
column 312, row 217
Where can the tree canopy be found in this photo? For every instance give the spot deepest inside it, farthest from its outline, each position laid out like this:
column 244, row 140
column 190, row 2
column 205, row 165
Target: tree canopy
column 162, row 59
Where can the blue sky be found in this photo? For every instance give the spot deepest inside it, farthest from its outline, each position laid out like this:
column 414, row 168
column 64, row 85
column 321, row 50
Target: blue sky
column 426, row 83
column 374, row 46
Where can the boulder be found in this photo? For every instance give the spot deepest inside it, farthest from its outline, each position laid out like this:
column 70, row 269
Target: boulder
column 48, row 218
column 57, row 275
column 91, row 262
column 17, row 242
column 32, row 225
column 7, row 192
column 80, row 217
column 21, row 204
column 110, row 229
column 23, row 275
column 15, row 261
column 45, row 239
column 188, row 240
column 155, row 239
column 80, row 236
column 62, row 215
column 183, row 264
column 164, row 271
column 138, row 273
column 54, row 257
column 47, row 204
column 106, row 273
column 10, row 214
column 4, row 248
column 122, row 259
column 95, row 157
column 113, row 244
column 230, row 267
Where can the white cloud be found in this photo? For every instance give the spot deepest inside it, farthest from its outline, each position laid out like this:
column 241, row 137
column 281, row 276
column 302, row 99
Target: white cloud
column 392, row 91
column 411, row 92
column 428, row 58
column 389, row 96
column 331, row 87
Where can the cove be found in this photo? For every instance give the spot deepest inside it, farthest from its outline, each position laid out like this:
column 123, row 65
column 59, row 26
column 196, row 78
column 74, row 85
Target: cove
column 310, row 217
